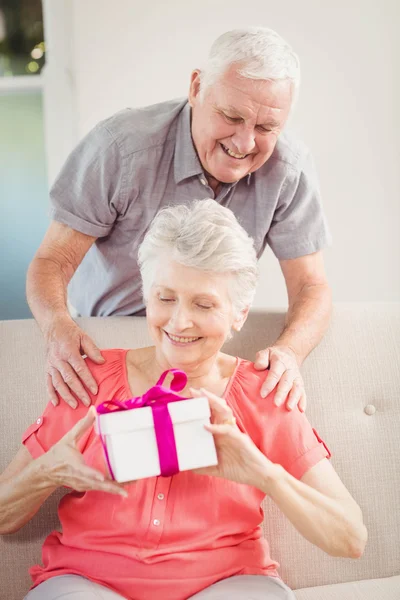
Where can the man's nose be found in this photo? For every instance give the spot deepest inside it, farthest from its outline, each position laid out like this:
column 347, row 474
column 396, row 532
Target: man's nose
column 243, row 139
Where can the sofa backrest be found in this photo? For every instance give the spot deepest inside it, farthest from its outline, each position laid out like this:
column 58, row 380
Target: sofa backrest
column 356, row 365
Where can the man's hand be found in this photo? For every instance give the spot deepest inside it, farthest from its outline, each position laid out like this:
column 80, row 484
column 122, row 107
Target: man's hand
column 67, row 372
column 284, row 374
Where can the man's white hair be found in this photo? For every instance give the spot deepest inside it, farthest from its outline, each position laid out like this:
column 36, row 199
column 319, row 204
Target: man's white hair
column 259, row 52
column 206, row 236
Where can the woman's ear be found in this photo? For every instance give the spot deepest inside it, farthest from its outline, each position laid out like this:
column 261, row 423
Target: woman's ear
column 240, row 319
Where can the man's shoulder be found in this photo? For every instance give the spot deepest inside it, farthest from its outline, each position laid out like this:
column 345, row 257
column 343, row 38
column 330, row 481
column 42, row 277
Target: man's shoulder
column 290, row 151
column 139, row 129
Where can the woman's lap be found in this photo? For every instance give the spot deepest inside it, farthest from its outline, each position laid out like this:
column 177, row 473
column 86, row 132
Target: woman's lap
column 71, row 587
column 240, row 587
column 247, row 587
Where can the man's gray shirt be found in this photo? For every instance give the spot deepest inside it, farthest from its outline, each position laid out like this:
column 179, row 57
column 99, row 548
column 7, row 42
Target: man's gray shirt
column 140, row 160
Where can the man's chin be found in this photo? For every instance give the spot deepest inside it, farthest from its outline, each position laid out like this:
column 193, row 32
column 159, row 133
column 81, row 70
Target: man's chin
column 229, row 177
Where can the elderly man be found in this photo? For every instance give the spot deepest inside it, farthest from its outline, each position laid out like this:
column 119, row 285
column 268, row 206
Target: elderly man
column 226, row 142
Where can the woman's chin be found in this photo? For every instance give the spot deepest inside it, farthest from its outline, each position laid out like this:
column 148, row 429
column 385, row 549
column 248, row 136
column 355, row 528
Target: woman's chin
column 182, row 355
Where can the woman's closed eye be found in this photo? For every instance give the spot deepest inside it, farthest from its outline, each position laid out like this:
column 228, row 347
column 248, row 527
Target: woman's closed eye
column 201, row 306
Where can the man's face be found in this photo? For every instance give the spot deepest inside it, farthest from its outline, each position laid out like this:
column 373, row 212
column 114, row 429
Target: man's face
column 237, row 123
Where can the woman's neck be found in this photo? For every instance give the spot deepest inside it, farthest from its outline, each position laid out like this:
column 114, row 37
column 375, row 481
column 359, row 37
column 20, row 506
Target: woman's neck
column 207, row 373
column 145, row 367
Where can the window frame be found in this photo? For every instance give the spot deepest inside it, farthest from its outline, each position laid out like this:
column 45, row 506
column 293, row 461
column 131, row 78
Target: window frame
column 21, row 83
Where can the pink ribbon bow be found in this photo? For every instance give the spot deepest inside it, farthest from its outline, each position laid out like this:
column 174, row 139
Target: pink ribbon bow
column 158, row 398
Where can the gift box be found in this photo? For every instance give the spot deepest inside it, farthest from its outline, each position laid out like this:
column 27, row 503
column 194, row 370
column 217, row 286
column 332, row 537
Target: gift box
column 159, row 433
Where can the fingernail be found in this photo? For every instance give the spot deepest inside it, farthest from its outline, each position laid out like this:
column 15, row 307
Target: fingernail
column 54, row 403
column 99, row 477
column 73, row 404
column 86, row 401
column 93, row 389
column 264, row 394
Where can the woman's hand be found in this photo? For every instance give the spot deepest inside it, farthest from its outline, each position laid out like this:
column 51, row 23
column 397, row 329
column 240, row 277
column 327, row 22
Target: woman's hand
column 63, row 464
column 239, row 459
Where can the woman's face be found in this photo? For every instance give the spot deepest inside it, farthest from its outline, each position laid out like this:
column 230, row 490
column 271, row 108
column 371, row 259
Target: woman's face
column 189, row 313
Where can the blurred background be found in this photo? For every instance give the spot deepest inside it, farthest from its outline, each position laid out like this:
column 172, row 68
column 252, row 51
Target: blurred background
column 23, row 174
column 66, row 64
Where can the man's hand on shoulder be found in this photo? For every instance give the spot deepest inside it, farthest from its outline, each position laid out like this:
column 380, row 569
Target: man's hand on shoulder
column 66, row 371
column 284, row 375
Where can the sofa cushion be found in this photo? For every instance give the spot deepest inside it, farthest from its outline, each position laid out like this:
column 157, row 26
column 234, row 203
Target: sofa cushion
column 387, row 588
column 357, row 364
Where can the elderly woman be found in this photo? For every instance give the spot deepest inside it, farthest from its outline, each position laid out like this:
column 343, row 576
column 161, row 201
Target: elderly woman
column 196, row 534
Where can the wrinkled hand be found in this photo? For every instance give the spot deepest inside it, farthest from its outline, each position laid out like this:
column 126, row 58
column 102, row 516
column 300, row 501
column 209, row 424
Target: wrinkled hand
column 63, row 464
column 66, row 368
column 284, row 374
column 239, row 459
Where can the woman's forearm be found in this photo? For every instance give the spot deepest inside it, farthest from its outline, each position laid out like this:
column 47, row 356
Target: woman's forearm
column 22, row 495
column 334, row 526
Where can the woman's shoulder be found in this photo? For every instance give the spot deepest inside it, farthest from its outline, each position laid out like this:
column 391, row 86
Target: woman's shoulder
column 246, row 379
column 244, row 395
column 112, row 371
column 113, row 359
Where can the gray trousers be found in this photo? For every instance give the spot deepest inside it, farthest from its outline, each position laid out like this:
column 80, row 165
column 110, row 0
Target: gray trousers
column 240, row 587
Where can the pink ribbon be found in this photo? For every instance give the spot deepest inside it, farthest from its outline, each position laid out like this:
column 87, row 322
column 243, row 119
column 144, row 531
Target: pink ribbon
column 158, row 398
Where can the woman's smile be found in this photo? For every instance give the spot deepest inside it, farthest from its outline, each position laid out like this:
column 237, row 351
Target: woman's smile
column 179, row 340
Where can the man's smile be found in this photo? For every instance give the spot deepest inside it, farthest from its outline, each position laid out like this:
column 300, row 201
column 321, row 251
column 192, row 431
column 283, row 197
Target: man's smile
column 233, row 154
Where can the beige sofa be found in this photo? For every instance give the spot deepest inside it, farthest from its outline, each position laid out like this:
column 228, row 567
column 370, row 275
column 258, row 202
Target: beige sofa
column 353, row 384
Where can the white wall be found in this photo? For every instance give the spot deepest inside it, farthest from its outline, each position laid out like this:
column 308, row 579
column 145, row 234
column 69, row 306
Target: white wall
column 129, row 53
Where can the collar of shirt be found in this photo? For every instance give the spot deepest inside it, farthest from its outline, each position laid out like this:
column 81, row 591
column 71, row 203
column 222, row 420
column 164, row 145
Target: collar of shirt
column 186, row 161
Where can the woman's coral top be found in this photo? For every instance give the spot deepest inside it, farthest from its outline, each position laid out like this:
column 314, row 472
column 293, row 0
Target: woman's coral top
column 174, row 536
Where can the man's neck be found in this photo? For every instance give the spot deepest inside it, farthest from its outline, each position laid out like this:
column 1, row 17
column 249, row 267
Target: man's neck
column 214, row 184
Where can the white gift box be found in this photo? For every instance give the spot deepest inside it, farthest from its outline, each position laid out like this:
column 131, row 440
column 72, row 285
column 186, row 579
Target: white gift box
column 130, row 439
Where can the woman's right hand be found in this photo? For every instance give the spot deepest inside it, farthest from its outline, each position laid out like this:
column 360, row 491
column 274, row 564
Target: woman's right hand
column 63, row 464
column 239, row 459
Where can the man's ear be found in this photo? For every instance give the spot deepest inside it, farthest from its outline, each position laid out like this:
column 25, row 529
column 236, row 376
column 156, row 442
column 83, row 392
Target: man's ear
column 240, row 319
column 194, row 88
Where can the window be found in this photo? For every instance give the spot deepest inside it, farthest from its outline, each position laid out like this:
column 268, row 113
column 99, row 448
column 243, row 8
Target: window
column 23, row 181
column 22, row 47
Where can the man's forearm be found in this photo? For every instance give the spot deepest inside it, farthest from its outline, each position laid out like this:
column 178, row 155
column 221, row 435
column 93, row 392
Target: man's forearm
column 307, row 320
column 337, row 528
column 46, row 291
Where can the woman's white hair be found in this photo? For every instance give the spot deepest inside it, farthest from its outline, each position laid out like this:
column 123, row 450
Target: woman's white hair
column 259, row 52
column 206, row 236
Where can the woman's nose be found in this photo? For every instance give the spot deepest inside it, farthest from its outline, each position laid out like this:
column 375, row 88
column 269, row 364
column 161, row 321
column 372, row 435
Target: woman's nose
column 181, row 319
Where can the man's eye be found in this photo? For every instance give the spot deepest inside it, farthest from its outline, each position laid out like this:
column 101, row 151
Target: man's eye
column 166, row 299
column 204, row 307
column 233, row 119
column 264, row 130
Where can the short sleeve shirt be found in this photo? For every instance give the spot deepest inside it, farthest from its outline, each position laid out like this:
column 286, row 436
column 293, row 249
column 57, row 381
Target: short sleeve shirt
column 140, row 160
column 172, row 536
